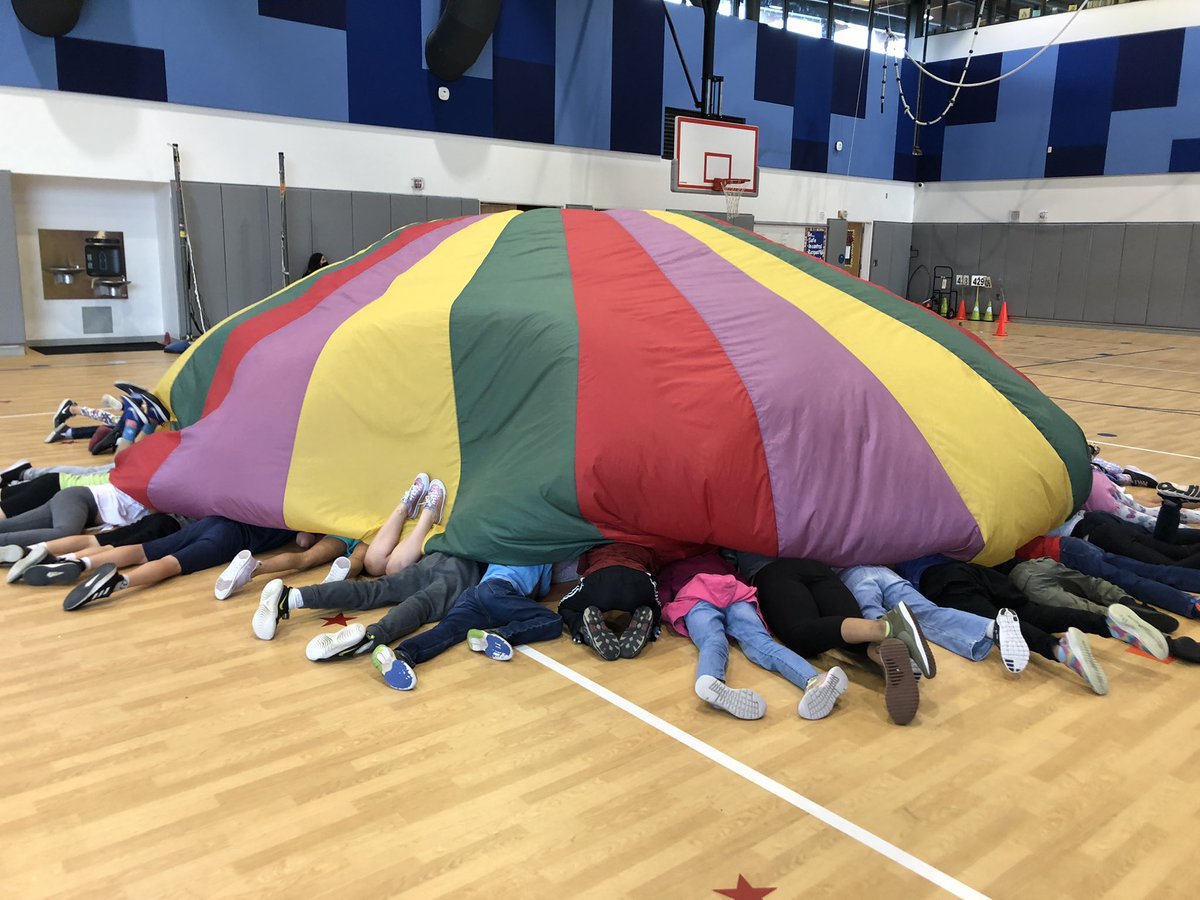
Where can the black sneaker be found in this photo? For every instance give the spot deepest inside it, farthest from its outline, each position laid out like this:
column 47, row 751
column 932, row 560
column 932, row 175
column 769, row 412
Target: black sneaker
column 13, row 473
column 102, row 584
column 58, row 434
column 1186, row 494
column 634, row 638
column 63, row 413
column 1184, row 648
column 597, row 633
column 1151, row 616
column 66, row 571
column 1138, row 478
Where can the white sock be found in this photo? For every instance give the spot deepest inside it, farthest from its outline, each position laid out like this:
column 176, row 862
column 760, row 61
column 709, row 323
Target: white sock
column 87, row 563
column 991, row 629
column 295, row 600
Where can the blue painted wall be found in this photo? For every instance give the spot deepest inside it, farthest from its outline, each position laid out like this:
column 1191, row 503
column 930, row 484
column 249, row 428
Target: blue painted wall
column 597, row 74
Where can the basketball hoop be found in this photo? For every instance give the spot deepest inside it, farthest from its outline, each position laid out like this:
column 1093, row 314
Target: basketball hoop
column 733, row 190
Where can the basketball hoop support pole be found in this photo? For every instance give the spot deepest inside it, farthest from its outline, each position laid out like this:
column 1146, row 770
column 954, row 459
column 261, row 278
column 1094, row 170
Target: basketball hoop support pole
column 710, row 42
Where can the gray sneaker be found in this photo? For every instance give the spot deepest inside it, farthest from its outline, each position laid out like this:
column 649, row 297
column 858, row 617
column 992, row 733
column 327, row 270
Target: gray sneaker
column 904, row 627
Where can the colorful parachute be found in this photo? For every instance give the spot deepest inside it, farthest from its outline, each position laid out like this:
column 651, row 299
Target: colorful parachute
column 577, row 376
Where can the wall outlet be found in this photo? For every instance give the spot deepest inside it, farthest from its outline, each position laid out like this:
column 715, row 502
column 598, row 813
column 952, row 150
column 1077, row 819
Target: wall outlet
column 418, row 185
column 1014, row 215
column 1043, row 215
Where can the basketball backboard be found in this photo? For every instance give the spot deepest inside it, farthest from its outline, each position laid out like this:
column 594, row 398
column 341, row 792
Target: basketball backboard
column 706, row 150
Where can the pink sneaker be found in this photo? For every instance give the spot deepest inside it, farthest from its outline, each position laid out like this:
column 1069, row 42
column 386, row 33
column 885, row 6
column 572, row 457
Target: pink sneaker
column 435, row 500
column 415, row 496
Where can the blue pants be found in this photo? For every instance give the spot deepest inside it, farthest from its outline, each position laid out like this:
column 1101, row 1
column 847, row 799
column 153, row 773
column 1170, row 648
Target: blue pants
column 878, row 589
column 495, row 604
column 708, row 626
column 1161, row 586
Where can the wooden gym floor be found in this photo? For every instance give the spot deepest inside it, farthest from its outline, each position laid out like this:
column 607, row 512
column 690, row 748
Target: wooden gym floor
column 151, row 747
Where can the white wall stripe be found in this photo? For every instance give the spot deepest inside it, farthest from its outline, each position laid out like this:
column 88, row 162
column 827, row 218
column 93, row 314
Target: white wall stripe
column 814, row 809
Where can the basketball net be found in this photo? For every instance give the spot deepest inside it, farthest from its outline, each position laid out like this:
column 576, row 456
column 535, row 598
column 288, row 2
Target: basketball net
column 733, row 190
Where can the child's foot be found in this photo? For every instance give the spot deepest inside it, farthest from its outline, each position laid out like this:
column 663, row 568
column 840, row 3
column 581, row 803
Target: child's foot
column 598, row 635
column 14, row 472
column 36, row 554
column 155, row 408
column 1151, row 616
column 236, row 575
column 741, row 703
column 1184, row 648
column 489, row 643
column 64, row 571
column 1074, row 652
column 272, row 607
column 901, row 695
column 1013, row 649
column 342, row 644
column 57, row 434
column 396, row 672
column 11, row 553
column 108, row 401
column 106, row 580
column 415, row 496
column 903, row 626
column 338, row 571
column 63, row 413
column 1125, row 626
column 635, row 636
column 822, row 692
column 435, row 500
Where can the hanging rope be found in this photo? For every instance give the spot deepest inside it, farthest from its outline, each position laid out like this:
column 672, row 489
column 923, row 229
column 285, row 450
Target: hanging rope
column 962, row 82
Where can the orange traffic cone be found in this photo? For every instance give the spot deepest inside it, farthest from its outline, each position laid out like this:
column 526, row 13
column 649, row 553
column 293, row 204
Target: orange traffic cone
column 962, row 311
column 1002, row 321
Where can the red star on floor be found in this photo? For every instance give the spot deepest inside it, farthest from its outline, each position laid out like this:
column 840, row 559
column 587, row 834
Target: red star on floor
column 744, row 891
column 339, row 619
column 1138, row 652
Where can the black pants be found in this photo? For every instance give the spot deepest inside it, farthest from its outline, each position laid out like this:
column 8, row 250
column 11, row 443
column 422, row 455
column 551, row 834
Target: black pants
column 1111, row 534
column 804, row 604
column 1167, row 527
column 22, row 496
column 983, row 591
column 611, row 589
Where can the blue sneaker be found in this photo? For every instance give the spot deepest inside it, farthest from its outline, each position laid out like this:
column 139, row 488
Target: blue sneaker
column 494, row 646
column 396, row 672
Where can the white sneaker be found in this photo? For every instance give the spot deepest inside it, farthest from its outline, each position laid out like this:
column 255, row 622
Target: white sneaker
column 272, row 606
column 327, row 646
column 339, row 571
column 11, row 553
column 1013, row 649
column 236, row 575
column 740, row 702
column 822, row 693
column 35, row 555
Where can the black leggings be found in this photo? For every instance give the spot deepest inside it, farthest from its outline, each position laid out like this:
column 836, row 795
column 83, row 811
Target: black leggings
column 804, row 604
column 1166, row 527
column 22, row 496
column 611, row 589
column 1111, row 534
column 983, row 591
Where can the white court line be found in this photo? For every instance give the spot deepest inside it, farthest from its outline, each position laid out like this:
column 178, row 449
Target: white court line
column 1145, row 449
column 23, row 415
column 814, row 809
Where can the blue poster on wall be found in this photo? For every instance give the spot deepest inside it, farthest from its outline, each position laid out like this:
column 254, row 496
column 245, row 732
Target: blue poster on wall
column 814, row 242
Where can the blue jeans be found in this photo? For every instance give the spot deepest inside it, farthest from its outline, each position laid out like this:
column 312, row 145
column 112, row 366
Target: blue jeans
column 494, row 605
column 1161, row 586
column 878, row 589
column 708, row 625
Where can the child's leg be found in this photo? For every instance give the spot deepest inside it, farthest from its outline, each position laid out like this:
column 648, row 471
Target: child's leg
column 75, row 543
column 963, row 633
column 325, row 550
column 121, row 557
column 152, row 573
column 705, row 625
column 385, row 542
column 103, row 416
column 409, row 550
column 527, row 621
column 744, row 625
column 468, row 613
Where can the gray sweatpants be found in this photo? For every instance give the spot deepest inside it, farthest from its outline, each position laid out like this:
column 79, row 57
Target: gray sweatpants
column 422, row 593
column 67, row 512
